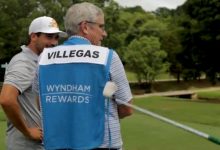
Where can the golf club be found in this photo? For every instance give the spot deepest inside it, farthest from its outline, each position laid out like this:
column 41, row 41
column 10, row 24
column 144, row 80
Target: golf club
column 111, row 88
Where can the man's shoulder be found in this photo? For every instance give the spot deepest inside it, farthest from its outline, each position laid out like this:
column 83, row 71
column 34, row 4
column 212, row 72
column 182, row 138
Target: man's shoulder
column 19, row 57
column 76, row 47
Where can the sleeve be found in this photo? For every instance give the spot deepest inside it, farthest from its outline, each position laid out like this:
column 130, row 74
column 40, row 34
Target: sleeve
column 118, row 76
column 19, row 74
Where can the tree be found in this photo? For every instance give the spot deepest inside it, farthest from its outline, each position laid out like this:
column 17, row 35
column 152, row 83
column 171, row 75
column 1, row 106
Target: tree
column 170, row 39
column 201, row 36
column 16, row 16
column 145, row 58
column 115, row 28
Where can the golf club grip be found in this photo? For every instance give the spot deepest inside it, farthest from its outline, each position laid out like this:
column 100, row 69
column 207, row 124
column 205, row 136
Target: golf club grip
column 214, row 140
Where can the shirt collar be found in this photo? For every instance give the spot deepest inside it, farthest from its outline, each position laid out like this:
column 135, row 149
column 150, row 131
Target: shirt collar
column 73, row 40
column 29, row 52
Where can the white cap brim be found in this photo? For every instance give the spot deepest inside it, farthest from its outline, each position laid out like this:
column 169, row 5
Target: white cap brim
column 53, row 31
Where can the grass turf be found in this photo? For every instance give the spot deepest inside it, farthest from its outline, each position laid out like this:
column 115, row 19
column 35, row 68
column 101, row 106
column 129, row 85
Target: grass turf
column 142, row 132
column 209, row 95
column 2, row 130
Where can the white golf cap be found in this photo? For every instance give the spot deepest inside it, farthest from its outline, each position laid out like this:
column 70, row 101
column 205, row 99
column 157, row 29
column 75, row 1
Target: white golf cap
column 45, row 25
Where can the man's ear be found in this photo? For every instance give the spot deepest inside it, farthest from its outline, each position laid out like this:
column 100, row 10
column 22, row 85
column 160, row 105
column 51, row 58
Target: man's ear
column 84, row 27
column 33, row 36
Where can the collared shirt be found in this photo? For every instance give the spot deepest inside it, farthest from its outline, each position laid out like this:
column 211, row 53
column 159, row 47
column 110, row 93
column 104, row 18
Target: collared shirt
column 20, row 73
column 112, row 136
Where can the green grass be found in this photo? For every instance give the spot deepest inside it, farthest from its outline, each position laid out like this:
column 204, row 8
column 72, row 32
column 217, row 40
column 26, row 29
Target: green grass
column 209, row 95
column 2, row 135
column 142, row 132
column 2, row 130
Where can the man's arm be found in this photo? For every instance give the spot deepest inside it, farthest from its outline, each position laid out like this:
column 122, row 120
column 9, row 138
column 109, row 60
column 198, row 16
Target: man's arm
column 124, row 111
column 38, row 102
column 9, row 103
column 118, row 76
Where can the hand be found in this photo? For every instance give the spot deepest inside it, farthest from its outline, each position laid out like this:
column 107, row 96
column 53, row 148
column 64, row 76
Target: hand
column 35, row 134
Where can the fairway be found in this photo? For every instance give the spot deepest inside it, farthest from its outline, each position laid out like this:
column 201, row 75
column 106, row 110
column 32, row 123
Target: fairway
column 142, row 132
column 2, row 130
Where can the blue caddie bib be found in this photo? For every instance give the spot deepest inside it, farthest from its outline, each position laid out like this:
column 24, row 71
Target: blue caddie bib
column 71, row 83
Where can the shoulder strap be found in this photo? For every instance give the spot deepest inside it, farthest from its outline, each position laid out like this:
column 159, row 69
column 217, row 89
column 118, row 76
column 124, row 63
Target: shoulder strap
column 108, row 64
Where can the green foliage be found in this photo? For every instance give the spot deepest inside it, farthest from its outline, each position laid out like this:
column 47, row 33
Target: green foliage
column 114, row 40
column 145, row 58
column 16, row 16
column 140, row 25
column 121, row 25
column 189, row 35
column 200, row 36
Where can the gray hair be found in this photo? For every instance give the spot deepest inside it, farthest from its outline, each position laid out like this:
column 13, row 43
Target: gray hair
column 80, row 12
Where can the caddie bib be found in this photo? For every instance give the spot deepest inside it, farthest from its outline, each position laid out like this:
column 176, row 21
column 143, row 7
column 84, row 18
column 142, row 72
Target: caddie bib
column 71, row 83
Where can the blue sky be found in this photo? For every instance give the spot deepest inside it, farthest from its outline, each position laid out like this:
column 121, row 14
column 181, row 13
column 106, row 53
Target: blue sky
column 151, row 5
